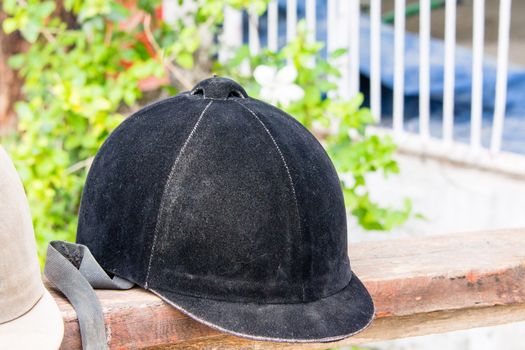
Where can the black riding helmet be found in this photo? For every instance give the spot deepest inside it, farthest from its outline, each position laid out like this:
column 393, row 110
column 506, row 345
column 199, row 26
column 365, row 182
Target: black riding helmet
column 231, row 211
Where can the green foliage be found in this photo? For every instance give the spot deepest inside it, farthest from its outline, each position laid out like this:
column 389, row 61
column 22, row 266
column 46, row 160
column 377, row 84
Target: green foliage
column 81, row 78
column 75, row 85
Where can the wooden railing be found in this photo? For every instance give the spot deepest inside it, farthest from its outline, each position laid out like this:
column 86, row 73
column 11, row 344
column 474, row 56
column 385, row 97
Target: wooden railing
column 419, row 286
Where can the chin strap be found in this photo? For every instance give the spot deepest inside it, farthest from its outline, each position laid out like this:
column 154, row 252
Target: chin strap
column 74, row 271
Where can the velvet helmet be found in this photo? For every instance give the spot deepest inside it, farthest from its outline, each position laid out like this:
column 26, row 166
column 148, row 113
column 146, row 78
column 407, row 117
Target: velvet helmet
column 229, row 210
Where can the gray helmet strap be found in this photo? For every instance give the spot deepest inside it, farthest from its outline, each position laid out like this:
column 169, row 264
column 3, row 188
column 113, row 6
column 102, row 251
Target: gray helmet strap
column 73, row 270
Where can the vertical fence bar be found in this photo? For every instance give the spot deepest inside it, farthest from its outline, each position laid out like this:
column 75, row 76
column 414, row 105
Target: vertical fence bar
column 169, row 11
column 231, row 37
column 477, row 74
column 273, row 25
column 311, row 20
column 343, row 37
column 450, row 71
column 331, row 25
column 399, row 65
column 424, row 68
column 353, row 19
column 291, row 19
column 501, row 79
column 333, row 39
column 253, row 32
column 375, row 59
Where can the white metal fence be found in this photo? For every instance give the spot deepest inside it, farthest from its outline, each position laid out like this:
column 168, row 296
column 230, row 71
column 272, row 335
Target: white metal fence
column 343, row 32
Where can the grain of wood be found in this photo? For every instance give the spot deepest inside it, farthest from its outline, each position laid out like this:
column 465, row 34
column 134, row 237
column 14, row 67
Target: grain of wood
column 419, row 286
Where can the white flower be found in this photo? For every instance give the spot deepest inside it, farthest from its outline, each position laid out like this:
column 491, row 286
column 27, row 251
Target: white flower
column 348, row 179
column 277, row 86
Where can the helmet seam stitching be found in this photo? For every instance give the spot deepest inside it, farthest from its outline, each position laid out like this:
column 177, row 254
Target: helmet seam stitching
column 161, row 209
column 285, row 166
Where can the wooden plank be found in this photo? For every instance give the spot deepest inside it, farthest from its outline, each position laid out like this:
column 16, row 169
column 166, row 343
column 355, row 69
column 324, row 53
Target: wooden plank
column 420, row 286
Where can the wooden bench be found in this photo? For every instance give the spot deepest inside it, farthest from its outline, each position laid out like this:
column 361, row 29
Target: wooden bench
column 419, row 285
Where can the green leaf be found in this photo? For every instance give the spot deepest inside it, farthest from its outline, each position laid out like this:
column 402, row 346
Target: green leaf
column 118, row 12
column 338, row 53
column 46, row 8
column 185, row 60
column 148, row 5
column 9, row 6
column 9, row 25
column 16, row 61
column 30, row 31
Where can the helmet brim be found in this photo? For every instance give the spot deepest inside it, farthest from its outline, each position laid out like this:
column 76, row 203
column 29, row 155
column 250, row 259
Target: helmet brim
column 41, row 327
column 332, row 318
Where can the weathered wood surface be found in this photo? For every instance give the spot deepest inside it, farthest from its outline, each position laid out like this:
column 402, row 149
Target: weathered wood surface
column 419, row 286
